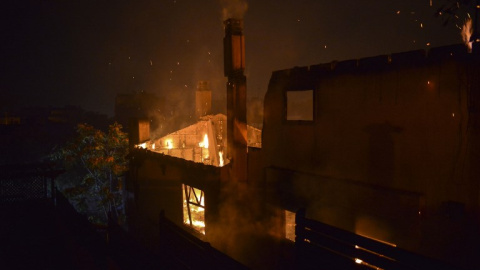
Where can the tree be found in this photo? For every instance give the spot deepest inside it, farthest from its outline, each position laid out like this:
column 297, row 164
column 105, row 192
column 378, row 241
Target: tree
column 95, row 163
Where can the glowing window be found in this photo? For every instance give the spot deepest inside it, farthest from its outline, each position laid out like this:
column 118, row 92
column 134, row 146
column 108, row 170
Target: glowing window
column 290, row 225
column 300, row 105
column 194, row 208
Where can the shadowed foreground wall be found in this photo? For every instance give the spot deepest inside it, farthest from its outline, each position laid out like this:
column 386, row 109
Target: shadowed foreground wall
column 235, row 220
column 391, row 151
column 155, row 184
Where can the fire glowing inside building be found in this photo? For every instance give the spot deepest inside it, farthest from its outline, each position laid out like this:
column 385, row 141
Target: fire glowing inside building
column 203, row 142
column 194, row 208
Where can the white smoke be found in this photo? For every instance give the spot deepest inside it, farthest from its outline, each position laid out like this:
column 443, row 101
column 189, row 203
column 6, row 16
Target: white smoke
column 233, row 8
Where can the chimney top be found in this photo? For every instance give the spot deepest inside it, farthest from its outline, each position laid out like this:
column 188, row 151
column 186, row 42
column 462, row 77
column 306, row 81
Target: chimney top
column 203, row 86
column 233, row 26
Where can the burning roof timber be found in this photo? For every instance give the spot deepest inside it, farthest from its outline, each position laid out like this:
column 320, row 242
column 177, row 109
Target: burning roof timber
column 203, row 142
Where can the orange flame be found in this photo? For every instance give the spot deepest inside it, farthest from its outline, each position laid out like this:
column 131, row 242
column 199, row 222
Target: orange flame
column 467, row 31
column 142, row 145
column 204, row 143
column 220, row 157
column 169, row 143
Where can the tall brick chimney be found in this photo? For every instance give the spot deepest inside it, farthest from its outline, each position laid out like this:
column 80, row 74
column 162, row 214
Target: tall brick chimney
column 234, row 66
column 203, row 99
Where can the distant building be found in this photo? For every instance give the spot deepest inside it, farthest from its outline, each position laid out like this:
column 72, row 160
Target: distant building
column 30, row 134
column 8, row 119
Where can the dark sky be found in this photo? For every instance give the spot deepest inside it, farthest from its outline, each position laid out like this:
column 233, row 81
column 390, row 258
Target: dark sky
column 57, row 52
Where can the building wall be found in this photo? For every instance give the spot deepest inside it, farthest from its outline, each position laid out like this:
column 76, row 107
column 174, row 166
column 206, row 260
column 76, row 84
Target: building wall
column 396, row 125
column 155, row 184
column 235, row 219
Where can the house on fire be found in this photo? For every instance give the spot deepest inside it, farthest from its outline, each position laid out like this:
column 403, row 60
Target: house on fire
column 386, row 147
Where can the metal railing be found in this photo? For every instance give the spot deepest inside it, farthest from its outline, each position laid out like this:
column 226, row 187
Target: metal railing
column 27, row 182
column 321, row 246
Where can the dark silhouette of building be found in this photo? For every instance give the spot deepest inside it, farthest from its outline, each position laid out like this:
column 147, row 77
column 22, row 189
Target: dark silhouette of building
column 30, row 134
column 386, row 148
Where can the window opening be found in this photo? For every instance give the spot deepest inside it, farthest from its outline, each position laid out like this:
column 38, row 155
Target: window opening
column 299, row 105
column 194, row 208
column 290, row 225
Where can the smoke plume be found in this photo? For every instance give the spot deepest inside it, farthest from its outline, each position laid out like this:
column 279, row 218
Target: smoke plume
column 233, row 8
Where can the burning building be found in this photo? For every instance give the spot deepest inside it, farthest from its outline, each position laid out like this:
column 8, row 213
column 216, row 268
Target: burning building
column 203, row 142
column 385, row 147
column 216, row 138
column 191, row 166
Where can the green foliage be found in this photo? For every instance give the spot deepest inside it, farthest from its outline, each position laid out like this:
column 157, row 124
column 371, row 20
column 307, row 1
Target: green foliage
column 95, row 163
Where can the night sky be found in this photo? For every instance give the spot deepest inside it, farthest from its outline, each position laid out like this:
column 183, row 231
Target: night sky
column 83, row 53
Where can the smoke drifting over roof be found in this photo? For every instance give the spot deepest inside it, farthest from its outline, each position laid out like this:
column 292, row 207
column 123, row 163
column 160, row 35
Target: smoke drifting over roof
column 233, row 8
column 86, row 52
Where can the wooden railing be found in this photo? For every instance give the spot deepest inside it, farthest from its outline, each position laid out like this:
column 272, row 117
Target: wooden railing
column 321, row 246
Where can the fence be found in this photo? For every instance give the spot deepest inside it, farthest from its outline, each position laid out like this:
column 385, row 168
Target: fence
column 321, row 246
column 23, row 183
